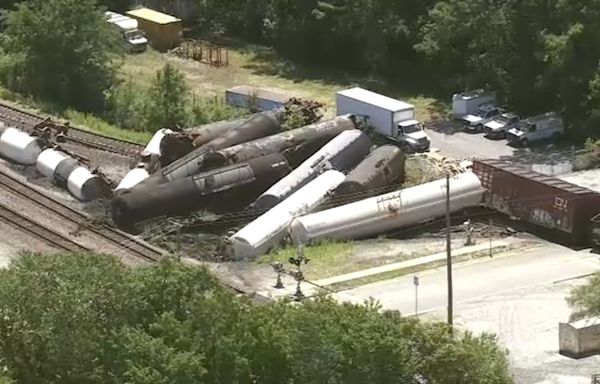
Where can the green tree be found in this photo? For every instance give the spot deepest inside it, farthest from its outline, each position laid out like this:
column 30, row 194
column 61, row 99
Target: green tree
column 168, row 98
column 585, row 299
column 63, row 52
column 88, row 319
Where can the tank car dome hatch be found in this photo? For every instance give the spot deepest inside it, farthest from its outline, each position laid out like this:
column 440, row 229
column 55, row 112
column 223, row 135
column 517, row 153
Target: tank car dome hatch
column 84, row 185
column 19, row 147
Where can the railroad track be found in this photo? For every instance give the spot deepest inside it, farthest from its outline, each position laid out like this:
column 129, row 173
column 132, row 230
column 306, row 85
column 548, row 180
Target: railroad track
column 27, row 120
column 124, row 241
column 46, row 234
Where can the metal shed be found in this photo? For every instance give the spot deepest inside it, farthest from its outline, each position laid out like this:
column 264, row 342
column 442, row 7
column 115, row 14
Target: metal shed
column 162, row 30
column 580, row 338
column 545, row 201
column 255, row 98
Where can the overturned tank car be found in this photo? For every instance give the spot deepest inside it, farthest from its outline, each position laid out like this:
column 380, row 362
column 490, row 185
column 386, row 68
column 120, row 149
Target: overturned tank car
column 381, row 171
column 342, row 153
column 219, row 189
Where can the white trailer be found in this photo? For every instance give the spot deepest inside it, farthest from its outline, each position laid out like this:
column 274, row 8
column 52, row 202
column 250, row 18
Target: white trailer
column 391, row 118
column 467, row 103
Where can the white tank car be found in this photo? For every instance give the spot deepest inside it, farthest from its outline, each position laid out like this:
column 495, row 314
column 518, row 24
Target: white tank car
column 380, row 214
column 83, row 184
column 153, row 146
column 49, row 160
column 270, row 228
column 132, row 178
column 19, row 147
column 341, row 153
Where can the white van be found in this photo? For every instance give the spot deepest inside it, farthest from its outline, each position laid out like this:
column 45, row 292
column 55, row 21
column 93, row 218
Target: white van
column 467, row 103
column 541, row 127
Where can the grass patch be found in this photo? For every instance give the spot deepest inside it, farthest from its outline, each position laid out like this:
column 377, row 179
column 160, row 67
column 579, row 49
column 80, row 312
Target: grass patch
column 260, row 67
column 350, row 284
column 327, row 258
column 98, row 125
column 84, row 121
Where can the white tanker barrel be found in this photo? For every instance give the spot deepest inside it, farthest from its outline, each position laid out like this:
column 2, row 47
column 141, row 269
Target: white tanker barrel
column 154, row 145
column 19, row 147
column 219, row 188
column 381, row 169
column 49, row 160
column 381, row 214
column 341, row 153
column 270, row 228
column 84, row 185
column 132, row 178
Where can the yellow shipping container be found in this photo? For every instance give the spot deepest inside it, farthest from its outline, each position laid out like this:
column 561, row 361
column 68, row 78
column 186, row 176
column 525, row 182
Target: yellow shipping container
column 162, row 30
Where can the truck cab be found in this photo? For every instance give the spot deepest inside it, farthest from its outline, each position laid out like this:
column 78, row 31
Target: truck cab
column 410, row 137
column 133, row 38
column 541, row 127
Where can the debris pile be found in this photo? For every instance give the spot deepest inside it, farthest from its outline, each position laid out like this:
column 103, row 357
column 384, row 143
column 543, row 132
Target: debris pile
column 425, row 167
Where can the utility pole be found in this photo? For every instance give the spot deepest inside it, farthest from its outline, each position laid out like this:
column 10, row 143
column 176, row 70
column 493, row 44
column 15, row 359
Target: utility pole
column 416, row 283
column 490, row 236
column 448, row 250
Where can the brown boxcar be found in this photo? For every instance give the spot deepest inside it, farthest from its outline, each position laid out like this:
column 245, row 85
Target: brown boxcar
column 545, row 201
column 162, row 30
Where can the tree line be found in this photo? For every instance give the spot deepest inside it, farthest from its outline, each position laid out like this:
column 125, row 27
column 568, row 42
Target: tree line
column 89, row 319
column 539, row 55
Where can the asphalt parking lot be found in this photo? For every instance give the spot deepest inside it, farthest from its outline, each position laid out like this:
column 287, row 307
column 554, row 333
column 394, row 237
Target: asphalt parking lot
column 549, row 158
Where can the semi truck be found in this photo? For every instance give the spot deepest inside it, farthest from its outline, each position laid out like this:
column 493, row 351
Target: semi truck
column 133, row 38
column 393, row 119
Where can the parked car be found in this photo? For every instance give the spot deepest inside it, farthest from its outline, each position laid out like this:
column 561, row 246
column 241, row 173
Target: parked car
column 499, row 126
column 466, row 103
column 541, row 127
column 487, row 112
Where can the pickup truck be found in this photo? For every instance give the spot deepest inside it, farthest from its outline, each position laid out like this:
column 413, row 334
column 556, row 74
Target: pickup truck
column 474, row 123
column 500, row 125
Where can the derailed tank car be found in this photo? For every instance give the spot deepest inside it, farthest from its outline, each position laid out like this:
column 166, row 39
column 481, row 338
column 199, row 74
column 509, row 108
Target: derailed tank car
column 296, row 145
column 252, row 128
column 18, row 146
column 550, row 203
column 342, row 153
column 226, row 188
column 270, row 228
column 383, row 213
column 384, row 167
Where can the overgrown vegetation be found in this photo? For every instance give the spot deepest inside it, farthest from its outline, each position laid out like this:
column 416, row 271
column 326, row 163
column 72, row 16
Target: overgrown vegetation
column 585, row 299
column 88, row 319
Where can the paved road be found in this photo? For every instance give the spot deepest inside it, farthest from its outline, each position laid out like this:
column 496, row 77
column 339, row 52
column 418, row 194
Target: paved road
column 462, row 145
column 533, row 267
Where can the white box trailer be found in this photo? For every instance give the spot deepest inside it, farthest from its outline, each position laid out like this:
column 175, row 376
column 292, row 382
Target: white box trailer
column 383, row 113
column 391, row 118
column 466, row 103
